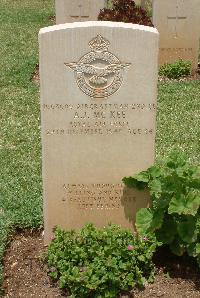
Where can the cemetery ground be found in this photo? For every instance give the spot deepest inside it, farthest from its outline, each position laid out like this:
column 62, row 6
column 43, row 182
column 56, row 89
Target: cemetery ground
column 20, row 154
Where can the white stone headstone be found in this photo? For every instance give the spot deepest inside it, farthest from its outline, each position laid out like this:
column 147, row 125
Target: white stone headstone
column 178, row 23
column 68, row 11
column 98, row 106
column 137, row 2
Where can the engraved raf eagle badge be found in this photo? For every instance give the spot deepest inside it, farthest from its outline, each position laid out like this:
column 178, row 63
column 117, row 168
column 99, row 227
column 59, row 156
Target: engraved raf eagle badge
column 98, row 73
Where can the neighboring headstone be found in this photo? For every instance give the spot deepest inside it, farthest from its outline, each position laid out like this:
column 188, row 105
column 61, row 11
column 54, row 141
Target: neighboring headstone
column 98, row 105
column 68, row 11
column 178, row 24
column 137, row 2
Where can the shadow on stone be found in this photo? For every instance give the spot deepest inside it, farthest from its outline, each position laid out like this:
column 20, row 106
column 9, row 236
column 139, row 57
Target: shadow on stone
column 132, row 200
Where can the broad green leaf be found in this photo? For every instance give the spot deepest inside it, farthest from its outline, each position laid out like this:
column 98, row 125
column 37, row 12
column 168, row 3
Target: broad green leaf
column 177, row 248
column 198, row 248
column 180, row 172
column 182, row 204
column 142, row 176
column 154, row 171
column 162, row 203
column 191, row 250
column 194, row 183
column 155, row 187
column 167, row 232
column 187, row 230
column 198, row 223
column 132, row 182
column 157, row 220
column 144, row 220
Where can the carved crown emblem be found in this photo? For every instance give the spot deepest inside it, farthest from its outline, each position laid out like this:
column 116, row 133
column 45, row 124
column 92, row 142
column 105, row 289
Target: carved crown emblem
column 98, row 73
column 99, row 44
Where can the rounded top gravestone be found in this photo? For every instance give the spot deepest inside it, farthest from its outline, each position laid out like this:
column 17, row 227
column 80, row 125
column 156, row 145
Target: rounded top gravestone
column 98, row 106
column 178, row 22
column 68, row 11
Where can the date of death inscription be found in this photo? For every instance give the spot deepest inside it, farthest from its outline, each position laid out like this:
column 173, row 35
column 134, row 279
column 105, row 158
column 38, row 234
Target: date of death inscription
column 97, row 196
column 98, row 119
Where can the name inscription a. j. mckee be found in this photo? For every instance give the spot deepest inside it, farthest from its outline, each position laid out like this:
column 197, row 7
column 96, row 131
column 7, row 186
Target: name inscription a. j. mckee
column 99, row 119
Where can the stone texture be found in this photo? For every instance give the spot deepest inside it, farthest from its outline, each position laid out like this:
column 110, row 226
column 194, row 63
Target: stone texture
column 138, row 2
column 178, row 23
column 98, row 106
column 68, row 11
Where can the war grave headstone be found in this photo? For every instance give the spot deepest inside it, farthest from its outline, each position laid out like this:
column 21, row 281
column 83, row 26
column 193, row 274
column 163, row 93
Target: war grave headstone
column 178, row 24
column 68, row 11
column 98, row 107
column 137, row 2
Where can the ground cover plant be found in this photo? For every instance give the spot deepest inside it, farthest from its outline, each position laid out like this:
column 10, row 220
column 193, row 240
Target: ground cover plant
column 101, row 262
column 20, row 150
column 174, row 215
column 176, row 70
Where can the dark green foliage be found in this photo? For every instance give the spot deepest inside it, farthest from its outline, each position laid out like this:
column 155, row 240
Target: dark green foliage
column 176, row 70
column 174, row 216
column 125, row 11
column 100, row 262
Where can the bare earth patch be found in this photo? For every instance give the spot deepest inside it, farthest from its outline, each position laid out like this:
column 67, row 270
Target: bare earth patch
column 53, row 19
column 26, row 276
column 35, row 76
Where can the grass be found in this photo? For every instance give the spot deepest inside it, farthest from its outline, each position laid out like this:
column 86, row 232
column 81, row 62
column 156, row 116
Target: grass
column 20, row 149
column 178, row 119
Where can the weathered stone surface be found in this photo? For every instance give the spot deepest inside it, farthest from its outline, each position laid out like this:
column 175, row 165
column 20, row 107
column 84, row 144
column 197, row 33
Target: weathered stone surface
column 68, row 11
column 138, row 2
column 178, row 23
column 98, row 106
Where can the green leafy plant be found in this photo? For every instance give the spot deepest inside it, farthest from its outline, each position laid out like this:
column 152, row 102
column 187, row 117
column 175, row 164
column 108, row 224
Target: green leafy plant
column 147, row 6
column 176, row 70
column 174, row 215
column 100, row 262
